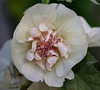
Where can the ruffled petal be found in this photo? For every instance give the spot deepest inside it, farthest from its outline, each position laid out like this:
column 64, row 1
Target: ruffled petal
column 32, row 71
column 85, row 24
column 63, row 49
column 70, row 75
column 19, row 51
column 94, row 35
column 75, row 38
column 50, row 26
column 35, row 32
column 79, row 53
column 28, row 22
column 42, row 27
column 34, row 45
column 67, row 20
column 40, row 63
column 52, row 60
column 30, row 39
column 23, row 28
column 48, row 66
column 52, row 80
column 65, row 65
column 30, row 55
column 37, row 57
column 69, row 25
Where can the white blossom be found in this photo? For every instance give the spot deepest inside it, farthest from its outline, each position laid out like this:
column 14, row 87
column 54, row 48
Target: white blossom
column 48, row 42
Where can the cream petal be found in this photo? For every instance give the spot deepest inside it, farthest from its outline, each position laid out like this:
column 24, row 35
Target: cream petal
column 23, row 28
column 65, row 65
column 34, row 45
column 48, row 36
column 41, row 10
column 70, row 75
column 52, row 80
column 75, row 38
column 40, row 64
column 94, row 36
column 52, row 60
column 19, row 51
column 48, row 66
column 85, row 24
column 93, row 33
column 54, row 34
column 30, row 39
column 78, row 53
column 50, row 26
column 68, row 22
column 67, row 55
column 32, row 71
column 38, row 20
column 42, row 27
column 62, row 48
column 35, row 32
column 55, row 5
column 30, row 55
column 37, row 57
column 68, row 46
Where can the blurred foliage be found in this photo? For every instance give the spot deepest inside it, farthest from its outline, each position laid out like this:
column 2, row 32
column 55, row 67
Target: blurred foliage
column 94, row 1
column 16, row 8
column 87, row 77
column 85, row 8
column 45, row 1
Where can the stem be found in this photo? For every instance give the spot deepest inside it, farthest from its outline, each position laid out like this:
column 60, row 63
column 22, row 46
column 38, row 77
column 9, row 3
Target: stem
column 45, row 1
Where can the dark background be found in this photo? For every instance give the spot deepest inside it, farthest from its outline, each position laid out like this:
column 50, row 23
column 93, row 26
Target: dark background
column 11, row 12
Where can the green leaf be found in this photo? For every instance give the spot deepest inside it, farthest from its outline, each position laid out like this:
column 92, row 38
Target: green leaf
column 45, row 1
column 95, row 2
column 87, row 77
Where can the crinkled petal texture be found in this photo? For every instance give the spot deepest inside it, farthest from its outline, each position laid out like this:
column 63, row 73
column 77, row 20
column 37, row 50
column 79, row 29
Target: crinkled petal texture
column 68, row 24
column 34, row 14
column 93, row 33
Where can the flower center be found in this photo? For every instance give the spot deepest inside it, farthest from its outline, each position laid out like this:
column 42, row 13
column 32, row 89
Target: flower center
column 47, row 46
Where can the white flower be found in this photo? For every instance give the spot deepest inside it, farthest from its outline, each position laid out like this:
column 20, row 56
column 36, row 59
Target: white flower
column 8, row 79
column 48, row 42
column 93, row 33
column 5, row 55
